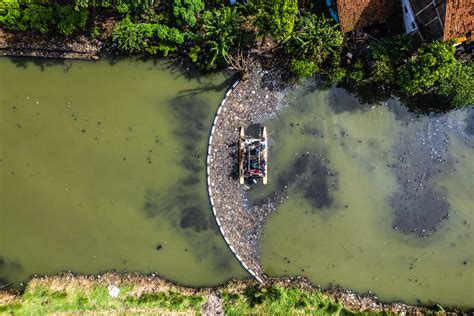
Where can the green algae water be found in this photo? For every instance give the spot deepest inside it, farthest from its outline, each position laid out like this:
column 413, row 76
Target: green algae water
column 102, row 168
column 372, row 198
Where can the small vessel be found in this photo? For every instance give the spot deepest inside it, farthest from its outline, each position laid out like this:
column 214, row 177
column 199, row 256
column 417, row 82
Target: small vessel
column 253, row 154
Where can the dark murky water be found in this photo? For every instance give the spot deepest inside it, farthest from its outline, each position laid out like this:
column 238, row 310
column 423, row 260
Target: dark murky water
column 372, row 197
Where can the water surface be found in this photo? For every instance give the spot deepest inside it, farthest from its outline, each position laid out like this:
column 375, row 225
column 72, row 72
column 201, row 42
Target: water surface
column 372, row 197
column 102, row 167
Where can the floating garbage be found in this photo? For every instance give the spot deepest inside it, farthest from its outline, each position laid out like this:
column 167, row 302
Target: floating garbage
column 113, row 290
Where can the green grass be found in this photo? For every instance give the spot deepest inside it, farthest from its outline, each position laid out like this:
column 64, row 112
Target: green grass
column 39, row 300
column 43, row 297
column 280, row 301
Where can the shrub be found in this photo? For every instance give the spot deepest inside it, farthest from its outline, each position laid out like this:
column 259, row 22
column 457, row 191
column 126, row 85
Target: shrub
column 334, row 75
column 458, row 87
column 395, row 49
column 69, row 20
column 316, row 41
column 432, row 64
column 10, row 15
column 38, row 17
column 275, row 17
column 355, row 73
column 387, row 55
column 140, row 37
column 220, row 33
column 95, row 31
column 168, row 34
column 382, row 71
column 303, row 68
column 128, row 36
column 135, row 6
column 185, row 11
column 122, row 6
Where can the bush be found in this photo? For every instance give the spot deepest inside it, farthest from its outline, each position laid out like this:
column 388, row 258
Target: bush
column 185, row 11
column 395, row 49
column 128, row 36
column 95, row 31
column 140, row 37
column 303, row 68
column 315, row 41
column 275, row 17
column 355, row 73
column 382, row 71
column 220, row 33
column 458, row 87
column 10, row 15
column 432, row 64
column 38, row 17
column 168, row 34
column 122, row 6
column 387, row 55
column 69, row 20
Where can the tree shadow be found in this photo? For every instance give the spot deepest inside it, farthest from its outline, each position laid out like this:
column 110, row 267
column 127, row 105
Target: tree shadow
column 208, row 87
column 469, row 129
column 426, row 104
column 42, row 63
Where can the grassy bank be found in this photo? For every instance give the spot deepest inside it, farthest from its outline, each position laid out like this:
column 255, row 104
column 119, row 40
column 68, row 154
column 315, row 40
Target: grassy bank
column 153, row 295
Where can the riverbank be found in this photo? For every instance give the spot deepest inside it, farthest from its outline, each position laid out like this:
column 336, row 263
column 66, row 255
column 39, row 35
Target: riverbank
column 78, row 46
column 132, row 293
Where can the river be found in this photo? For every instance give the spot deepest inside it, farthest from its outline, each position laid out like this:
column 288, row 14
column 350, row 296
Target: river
column 102, row 168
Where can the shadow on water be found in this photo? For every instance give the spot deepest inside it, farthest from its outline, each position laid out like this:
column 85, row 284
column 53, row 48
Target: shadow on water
column 206, row 87
column 185, row 205
column 186, row 195
column 359, row 97
column 340, row 101
column 8, row 268
column 42, row 63
column 469, row 129
column 426, row 104
column 309, row 175
column 178, row 67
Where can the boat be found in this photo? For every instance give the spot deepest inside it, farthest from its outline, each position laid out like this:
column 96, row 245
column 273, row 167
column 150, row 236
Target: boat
column 253, row 154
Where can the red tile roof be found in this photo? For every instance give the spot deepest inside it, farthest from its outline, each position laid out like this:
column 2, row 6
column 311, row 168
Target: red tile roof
column 354, row 14
column 459, row 19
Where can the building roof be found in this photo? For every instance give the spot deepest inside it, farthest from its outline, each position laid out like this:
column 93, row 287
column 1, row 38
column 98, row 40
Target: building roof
column 354, row 14
column 429, row 17
column 459, row 18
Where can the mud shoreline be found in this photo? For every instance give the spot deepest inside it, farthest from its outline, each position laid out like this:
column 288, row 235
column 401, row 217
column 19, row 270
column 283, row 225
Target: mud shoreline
column 26, row 44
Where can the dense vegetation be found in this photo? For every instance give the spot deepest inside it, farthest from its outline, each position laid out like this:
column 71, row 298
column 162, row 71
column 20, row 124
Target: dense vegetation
column 213, row 34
